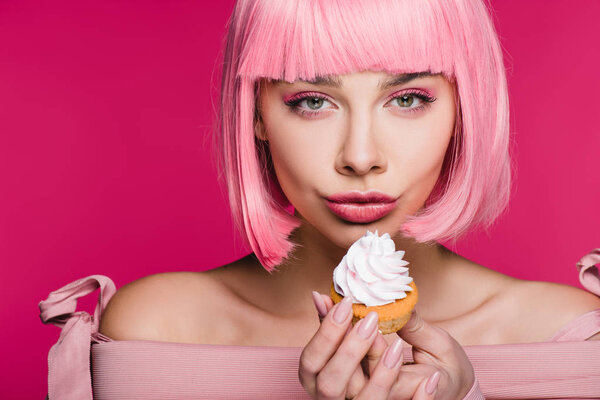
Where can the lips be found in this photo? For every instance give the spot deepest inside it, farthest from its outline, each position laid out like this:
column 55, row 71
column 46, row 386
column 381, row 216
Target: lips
column 360, row 207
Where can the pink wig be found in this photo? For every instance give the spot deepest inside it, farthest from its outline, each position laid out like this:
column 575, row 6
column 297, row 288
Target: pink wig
column 302, row 39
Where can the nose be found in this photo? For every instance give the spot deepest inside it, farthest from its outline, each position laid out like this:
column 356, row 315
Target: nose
column 360, row 152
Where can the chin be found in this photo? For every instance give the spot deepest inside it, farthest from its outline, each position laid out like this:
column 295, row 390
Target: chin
column 346, row 233
column 342, row 234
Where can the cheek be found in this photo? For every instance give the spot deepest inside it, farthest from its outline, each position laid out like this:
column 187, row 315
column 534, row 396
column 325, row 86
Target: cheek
column 299, row 156
column 422, row 157
column 426, row 156
column 289, row 165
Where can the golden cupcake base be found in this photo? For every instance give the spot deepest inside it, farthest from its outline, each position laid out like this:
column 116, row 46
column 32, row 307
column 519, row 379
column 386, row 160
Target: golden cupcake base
column 392, row 316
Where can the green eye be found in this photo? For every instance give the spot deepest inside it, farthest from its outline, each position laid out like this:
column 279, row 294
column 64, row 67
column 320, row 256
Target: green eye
column 411, row 102
column 314, row 103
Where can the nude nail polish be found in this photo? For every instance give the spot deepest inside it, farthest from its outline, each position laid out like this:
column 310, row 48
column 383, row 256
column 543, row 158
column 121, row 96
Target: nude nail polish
column 343, row 310
column 393, row 355
column 319, row 304
column 432, row 383
column 368, row 325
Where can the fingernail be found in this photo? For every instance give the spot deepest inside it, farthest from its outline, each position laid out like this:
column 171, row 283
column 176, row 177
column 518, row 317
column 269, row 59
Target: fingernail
column 343, row 310
column 319, row 304
column 368, row 325
column 432, row 383
column 393, row 355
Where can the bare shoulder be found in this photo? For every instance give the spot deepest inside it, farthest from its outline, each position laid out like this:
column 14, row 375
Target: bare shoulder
column 150, row 308
column 502, row 309
column 537, row 310
column 171, row 307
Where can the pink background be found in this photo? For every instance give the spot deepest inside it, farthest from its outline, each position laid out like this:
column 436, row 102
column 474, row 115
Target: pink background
column 105, row 109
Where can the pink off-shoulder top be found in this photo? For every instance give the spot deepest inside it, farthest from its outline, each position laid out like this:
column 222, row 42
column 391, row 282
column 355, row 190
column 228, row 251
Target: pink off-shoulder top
column 86, row 365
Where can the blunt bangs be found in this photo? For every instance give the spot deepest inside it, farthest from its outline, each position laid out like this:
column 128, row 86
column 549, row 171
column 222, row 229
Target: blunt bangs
column 291, row 40
column 305, row 39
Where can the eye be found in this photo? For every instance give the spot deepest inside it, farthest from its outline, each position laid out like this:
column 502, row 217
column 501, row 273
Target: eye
column 307, row 104
column 407, row 100
column 314, row 103
column 412, row 100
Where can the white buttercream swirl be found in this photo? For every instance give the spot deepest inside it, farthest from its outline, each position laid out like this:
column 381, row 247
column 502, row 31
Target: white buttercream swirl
column 372, row 272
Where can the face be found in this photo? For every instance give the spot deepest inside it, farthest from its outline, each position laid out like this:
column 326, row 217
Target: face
column 358, row 151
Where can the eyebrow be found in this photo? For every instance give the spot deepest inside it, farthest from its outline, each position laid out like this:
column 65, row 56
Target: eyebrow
column 383, row 85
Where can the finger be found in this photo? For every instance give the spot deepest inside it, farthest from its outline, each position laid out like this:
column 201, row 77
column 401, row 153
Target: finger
column 409, row 379
column 319, row 305
column 385, row 373
column 357, row 382
column 375, row 352
column 428, row 387
column 428, row 338
column 329, row 305
column 323, row 304
column 324, row 344
column 333, row 380
column 328, row 301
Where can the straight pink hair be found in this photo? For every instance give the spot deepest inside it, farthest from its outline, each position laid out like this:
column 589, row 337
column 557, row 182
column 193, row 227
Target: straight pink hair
column 302, row 39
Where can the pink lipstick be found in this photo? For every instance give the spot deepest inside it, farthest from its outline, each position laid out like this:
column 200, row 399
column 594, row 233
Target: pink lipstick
column 360, row 207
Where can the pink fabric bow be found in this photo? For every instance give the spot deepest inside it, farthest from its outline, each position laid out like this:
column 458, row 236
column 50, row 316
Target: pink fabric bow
column 69, row 359
column 588, row 271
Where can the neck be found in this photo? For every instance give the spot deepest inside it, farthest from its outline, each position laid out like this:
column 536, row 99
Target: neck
column 310, row 267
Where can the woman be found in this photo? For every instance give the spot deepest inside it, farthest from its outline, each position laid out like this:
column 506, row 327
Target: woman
column 377, row 102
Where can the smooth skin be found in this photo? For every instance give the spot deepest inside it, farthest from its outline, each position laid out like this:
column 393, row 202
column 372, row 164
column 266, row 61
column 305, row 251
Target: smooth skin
column 363, row 137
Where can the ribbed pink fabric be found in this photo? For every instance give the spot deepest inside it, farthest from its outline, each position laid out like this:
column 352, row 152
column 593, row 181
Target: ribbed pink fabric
column 126, row 370
column 565, row 368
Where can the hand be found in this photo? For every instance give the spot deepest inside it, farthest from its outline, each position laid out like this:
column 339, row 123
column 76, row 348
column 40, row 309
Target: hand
column 331, row 364
column 439, row 361
column 440, row 364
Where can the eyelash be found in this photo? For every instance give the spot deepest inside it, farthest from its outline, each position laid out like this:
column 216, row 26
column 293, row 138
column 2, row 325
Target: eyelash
column 295, row 101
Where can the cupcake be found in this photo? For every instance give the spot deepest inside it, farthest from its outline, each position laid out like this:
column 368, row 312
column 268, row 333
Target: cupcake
column 374, row 274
